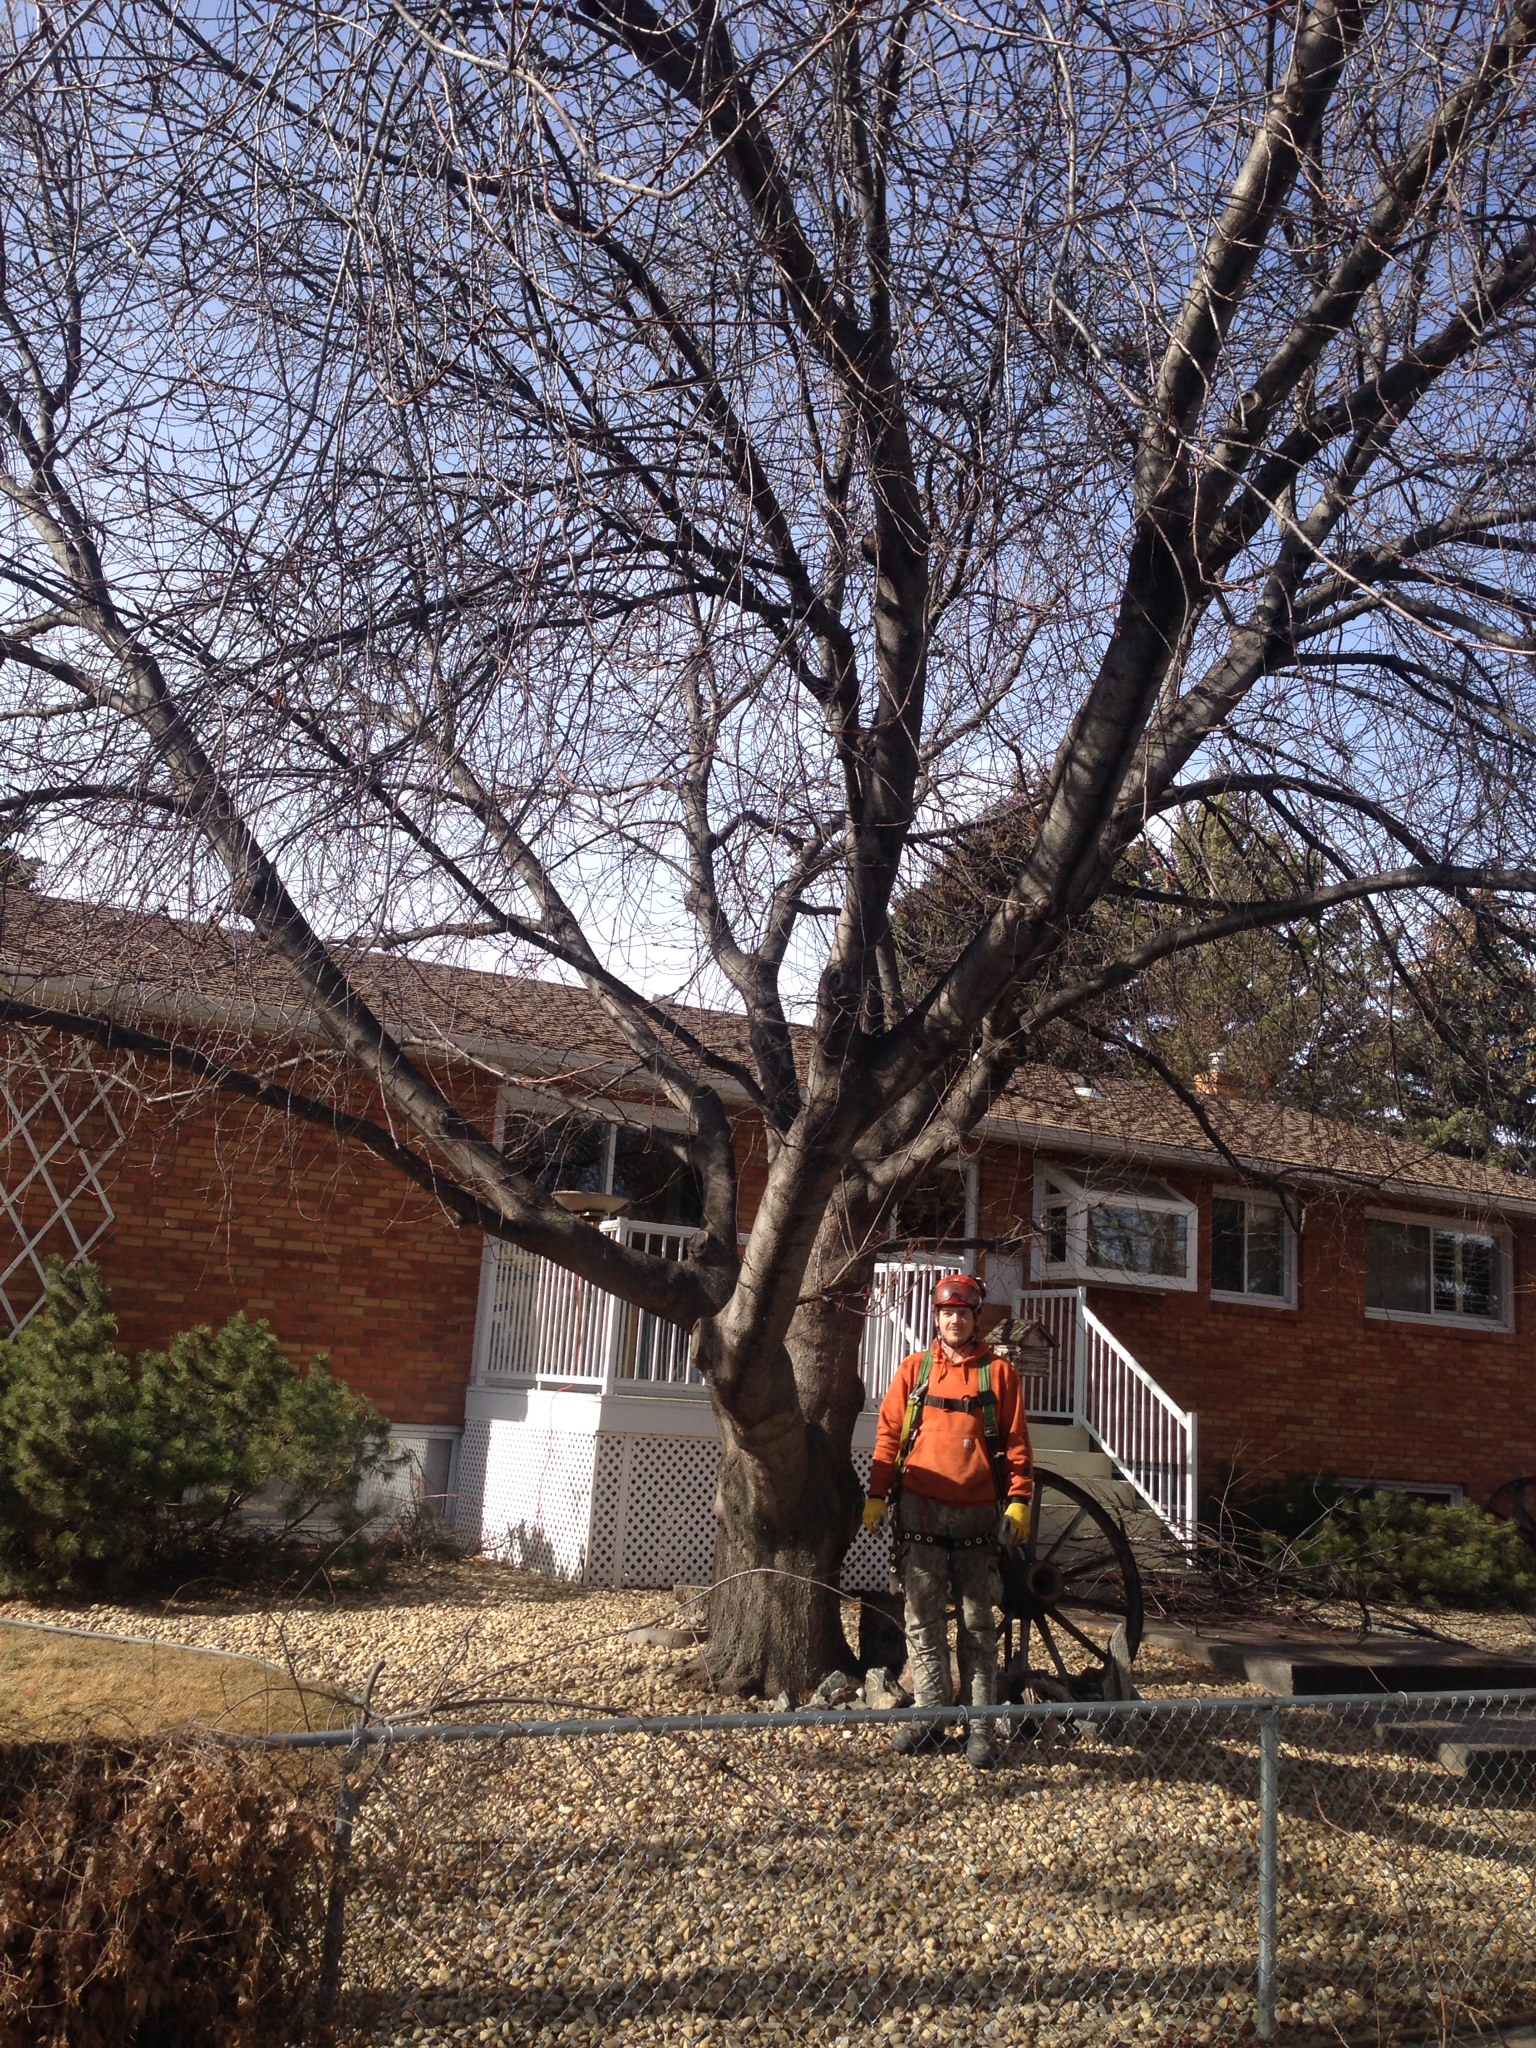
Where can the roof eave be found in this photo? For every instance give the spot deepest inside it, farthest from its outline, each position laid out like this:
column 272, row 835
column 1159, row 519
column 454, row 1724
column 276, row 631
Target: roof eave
column 1064, row 1138
column 156, row 1001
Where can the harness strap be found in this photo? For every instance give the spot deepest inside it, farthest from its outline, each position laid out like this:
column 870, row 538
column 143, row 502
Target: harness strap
column 911, row 1421
column 996, row 1455
column 982, row 1402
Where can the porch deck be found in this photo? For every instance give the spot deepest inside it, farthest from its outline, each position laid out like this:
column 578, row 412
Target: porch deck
column 590, row 1450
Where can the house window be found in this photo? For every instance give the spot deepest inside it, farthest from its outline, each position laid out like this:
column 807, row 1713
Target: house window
column 1252, row 1249
column 1438, row 1494
column 939, row 1209
column 582, row 1154
column 1438, row 1271
column 1095, row 1224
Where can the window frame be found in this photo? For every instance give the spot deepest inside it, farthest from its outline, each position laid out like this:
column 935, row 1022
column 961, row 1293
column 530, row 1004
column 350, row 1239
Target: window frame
column 1434, row 1493
column 1076, row 1184
column 1256, row 1198
column 611, row 1113
column 1463, row 1226
column 968, row 1168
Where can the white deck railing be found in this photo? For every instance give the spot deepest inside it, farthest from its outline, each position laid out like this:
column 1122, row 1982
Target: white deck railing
column 899, row 1318
column 1053, row 1394
column 540, row 1325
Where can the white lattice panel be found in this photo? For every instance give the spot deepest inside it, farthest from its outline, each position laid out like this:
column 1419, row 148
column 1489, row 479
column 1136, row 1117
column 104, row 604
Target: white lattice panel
column 622, row 1507
column 867, row 1567
column 536, row 1507
column 667, row 1527
column 474, row 1455
column 610, row 1481
column 60, row 1129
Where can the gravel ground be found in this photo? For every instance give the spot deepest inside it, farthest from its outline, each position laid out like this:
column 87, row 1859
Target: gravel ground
column 455, row 1637
column 805, row 1886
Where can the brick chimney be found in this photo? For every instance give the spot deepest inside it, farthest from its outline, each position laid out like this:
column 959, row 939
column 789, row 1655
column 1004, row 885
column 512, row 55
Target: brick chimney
column 1216, row 1081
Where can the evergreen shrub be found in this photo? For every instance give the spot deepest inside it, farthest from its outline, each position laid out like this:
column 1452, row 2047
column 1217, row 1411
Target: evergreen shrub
column 115, row 1475
column 1385, row 1547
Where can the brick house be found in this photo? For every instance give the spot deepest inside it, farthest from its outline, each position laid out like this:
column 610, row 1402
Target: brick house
column 1315, row 1296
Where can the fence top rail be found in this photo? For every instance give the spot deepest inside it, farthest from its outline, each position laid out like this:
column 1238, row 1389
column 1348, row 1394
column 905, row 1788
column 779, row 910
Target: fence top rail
column 386, row 1734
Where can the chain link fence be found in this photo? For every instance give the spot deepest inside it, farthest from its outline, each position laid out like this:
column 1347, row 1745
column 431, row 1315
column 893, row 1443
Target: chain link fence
column 1160, row 1873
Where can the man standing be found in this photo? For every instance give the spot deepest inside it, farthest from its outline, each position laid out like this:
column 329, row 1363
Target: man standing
column 952, row 1452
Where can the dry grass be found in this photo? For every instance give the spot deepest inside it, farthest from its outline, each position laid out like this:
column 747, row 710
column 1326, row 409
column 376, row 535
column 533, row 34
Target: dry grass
column 166, row 1893
column 56, row 1687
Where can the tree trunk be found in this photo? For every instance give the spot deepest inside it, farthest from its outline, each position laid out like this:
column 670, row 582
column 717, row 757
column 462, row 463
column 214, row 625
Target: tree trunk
column 775, row 1616
column 787, row 1508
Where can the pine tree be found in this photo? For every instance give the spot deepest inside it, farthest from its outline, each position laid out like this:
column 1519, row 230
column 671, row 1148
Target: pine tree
column 112, row 1474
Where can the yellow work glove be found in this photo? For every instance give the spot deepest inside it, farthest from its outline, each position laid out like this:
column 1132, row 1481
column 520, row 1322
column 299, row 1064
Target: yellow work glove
column 1015, row 1522
column 874, row 1514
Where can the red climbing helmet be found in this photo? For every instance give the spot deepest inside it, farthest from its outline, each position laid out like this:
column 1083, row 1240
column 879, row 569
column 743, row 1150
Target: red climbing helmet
column 958, row 1290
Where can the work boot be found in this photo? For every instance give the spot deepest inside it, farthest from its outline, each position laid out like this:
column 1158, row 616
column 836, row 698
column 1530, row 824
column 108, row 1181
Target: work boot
column 980, row 1748
column 917, row 1738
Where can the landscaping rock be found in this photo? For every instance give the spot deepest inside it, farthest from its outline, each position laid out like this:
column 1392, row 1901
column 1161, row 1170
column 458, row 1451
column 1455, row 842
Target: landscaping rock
column 665, row 1638
column 835, row 1690
column 883, row 1690
column 1080, row 1859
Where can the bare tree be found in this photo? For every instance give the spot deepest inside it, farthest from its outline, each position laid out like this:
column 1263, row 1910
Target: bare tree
column 516, row 475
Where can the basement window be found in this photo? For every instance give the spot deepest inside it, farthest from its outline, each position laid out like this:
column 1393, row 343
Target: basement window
column 1436, row 1493
column 1097, row 1224
column 1429, row 1269
column 1252, row 1250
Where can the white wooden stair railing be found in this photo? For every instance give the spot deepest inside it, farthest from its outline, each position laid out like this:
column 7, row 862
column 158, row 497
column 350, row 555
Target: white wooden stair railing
column 1150, row 1438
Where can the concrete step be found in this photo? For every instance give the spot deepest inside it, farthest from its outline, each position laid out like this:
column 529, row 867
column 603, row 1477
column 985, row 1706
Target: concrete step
column 1495, row 1750
column 1083, row 1468
column 1149, row 1537
column 1049, row 1438
column 1298, row 1662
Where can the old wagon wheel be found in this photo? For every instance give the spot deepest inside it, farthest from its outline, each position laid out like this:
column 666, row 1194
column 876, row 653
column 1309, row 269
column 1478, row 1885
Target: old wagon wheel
column 1071, row 1598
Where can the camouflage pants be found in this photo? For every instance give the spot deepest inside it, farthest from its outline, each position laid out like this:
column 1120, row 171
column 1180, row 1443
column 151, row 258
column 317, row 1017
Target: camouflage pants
column 929, row 1571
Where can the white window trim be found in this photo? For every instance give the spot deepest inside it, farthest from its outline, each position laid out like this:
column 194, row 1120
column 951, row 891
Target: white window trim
column 1258, row 1198
column 1475, row 1226
column 1080, row 1199
column 1433, row 1492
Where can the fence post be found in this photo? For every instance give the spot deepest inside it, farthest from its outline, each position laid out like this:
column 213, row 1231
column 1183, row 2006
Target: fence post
column 333, row 1938
column 328, row 1989
column 1269, row 1865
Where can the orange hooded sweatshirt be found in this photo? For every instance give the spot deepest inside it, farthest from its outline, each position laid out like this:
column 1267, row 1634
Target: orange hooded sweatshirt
column 947, row 1459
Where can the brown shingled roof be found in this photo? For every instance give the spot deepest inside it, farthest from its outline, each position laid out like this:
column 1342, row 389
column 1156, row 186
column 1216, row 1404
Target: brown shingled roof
column 1144, row 1120
column 145, row 966
column 141, row 965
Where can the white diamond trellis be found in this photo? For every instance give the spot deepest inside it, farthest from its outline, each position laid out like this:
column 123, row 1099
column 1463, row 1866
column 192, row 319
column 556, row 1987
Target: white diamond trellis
column 60, row 1129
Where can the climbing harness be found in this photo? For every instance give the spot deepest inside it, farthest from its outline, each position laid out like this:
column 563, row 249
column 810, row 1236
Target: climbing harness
column 984, row 1403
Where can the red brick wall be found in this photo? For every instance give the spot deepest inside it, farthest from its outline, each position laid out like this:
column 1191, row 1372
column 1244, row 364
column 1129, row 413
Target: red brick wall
column 219, row 1207
column 1323, row 1386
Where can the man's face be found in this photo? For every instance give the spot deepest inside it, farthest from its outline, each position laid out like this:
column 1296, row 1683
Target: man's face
column 957, row 1326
